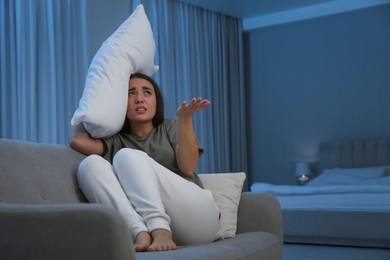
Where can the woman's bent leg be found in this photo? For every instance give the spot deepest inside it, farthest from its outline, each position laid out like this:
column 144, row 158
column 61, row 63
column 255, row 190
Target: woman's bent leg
column 100, row 185
column 166, row 200
column 140, row 185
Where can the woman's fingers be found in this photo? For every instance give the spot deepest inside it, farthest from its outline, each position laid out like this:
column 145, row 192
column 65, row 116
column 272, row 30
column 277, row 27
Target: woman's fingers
column 195, row 105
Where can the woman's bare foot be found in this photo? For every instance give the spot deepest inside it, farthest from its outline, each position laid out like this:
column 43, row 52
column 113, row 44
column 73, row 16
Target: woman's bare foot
column 162, row 240
column 142, row 241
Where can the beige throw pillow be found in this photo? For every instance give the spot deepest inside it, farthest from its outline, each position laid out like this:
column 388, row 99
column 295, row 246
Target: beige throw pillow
column 226, row 190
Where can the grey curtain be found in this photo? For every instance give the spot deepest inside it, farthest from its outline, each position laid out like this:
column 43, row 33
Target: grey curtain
column 44, row 62
column 200, row 54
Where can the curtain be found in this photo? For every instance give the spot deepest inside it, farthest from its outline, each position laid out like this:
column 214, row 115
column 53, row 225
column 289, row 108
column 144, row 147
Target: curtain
column 43, row 65
column 200, row 54
column 44, row 61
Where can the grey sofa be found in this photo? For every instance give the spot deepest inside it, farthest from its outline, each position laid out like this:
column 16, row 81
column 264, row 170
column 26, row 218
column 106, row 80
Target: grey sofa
column 44, row 215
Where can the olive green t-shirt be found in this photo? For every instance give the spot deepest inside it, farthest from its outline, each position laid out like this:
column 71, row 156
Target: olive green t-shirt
column 159, row 144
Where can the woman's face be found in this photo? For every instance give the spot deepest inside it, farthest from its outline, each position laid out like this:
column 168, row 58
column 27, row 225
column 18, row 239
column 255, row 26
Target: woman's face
column 141, row 106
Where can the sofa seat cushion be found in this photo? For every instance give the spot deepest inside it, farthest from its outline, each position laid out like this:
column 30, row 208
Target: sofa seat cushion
column 251, row 245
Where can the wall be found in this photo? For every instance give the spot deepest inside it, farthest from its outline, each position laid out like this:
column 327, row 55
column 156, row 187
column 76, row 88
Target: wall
column 313, row 81
column 104, row 17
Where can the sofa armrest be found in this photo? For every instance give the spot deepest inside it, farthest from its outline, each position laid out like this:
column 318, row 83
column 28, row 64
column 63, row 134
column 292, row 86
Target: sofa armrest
column 63, row 231
column 260, row 212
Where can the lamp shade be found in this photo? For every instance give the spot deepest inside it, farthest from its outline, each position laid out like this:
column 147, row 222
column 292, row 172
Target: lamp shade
column 302, row 168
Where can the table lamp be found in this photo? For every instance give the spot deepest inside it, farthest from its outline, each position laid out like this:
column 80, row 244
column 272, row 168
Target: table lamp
column 302, row 170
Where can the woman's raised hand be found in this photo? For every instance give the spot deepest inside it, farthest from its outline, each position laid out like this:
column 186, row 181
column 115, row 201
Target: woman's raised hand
column 195, row 105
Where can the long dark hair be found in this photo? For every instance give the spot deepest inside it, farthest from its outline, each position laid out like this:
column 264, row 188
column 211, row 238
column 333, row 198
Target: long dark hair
column 159, row 116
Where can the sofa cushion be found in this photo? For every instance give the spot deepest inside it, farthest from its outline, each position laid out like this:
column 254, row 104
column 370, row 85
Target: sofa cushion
column 251, row 245
column 38, row 173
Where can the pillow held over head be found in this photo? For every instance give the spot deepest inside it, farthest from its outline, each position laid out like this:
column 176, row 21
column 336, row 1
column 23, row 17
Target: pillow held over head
column 131, row 48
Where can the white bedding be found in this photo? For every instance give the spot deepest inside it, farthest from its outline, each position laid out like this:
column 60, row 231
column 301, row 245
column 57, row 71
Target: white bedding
column 312, row 190
column 333, row 192
column 378, row 202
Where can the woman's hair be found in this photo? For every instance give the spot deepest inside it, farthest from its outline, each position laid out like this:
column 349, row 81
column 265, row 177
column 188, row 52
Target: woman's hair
column 159, row 116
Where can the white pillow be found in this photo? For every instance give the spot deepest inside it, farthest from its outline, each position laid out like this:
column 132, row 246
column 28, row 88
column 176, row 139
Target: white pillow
column 226, row 189
column 349, row 176
column 365, row 172
column 131, row 48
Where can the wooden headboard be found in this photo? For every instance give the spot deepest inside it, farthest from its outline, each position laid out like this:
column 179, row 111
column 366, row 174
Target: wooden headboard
column 354, row 154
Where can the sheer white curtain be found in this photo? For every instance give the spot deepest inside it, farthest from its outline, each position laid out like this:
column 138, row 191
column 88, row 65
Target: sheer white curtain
column 43, row 64
column 200, row 54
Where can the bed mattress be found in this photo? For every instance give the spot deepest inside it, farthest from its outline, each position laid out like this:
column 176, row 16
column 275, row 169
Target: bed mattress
column 348, row 215
column 337, row 223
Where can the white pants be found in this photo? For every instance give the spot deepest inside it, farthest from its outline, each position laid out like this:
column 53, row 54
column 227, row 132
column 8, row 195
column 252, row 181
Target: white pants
column 149, row 196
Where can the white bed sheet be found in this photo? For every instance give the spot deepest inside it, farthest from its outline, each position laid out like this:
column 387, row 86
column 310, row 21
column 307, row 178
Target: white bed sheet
column 354, row 193
column 351, row 202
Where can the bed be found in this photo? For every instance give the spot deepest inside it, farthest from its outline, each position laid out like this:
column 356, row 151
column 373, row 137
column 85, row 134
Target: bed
column 348, row 204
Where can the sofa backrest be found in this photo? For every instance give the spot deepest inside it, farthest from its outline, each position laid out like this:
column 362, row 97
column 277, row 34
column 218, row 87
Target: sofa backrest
column 38, row 173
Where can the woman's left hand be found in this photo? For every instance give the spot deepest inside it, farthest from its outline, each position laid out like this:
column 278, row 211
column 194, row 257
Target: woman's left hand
column 195, row 105
column 187, row 151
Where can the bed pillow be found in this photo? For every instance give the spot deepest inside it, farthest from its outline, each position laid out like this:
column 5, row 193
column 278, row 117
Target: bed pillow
column 226, row 190
column 131, row 48
column 348, row 176
column 365, row 172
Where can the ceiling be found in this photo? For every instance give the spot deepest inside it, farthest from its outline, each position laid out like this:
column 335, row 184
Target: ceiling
column 263, row 13
column 245, row 9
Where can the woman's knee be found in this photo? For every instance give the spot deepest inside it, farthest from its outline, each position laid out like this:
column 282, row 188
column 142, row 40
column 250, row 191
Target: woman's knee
column 91, row 168
column 128, row 153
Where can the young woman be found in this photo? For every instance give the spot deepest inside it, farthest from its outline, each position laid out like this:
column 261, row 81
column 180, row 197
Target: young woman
column 147, row 172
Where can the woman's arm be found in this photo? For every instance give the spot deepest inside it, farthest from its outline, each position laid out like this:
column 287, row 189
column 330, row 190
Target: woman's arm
column 187, row 154
column 84, row 143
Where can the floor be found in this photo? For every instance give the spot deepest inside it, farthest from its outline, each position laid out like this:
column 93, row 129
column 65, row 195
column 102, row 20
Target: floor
column 316, row 252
